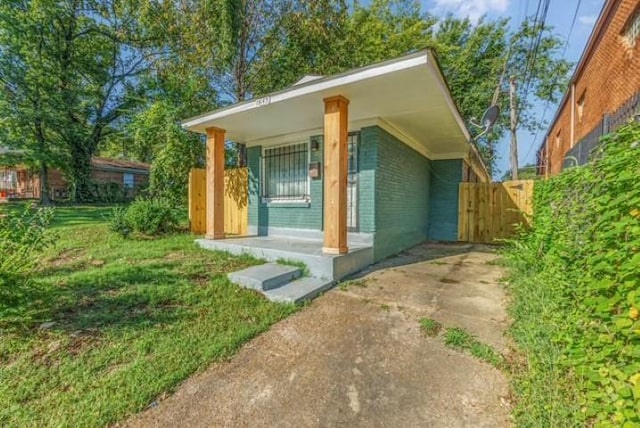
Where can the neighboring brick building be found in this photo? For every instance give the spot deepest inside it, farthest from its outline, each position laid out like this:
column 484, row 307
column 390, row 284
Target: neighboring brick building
column 603, row 93
column 20, row 183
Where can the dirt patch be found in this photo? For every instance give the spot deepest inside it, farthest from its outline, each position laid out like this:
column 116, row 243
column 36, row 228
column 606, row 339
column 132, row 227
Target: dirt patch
column 70, row 258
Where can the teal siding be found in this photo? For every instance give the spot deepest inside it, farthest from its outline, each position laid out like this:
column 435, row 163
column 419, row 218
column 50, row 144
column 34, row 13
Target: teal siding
column 253, row 165
column 404, row 198
column 446, row 176
column 368, row 158
column 401, row 196
column 295, row 216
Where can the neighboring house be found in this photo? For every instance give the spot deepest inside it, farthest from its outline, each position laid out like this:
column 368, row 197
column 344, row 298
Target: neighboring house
column 604, row 91
column 19, row 182
column 367, row 161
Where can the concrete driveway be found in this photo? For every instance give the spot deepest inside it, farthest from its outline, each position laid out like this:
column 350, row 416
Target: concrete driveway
column 357, row 357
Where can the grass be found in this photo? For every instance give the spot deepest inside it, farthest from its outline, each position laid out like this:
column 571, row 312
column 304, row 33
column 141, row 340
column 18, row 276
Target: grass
column 361, row 283
column 457, row 338
column 127, row 321
column 430, row 327
column 295, row 263
column 546, row 394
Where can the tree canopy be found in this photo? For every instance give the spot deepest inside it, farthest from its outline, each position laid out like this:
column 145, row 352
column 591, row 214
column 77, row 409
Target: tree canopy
column 115, row 77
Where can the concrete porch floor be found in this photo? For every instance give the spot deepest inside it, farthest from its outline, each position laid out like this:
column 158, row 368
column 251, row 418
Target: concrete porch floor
column 307, row 251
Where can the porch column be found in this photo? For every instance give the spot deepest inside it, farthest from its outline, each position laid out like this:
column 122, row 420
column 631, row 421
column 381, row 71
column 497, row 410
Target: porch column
column 335, row 175
column 215, row 183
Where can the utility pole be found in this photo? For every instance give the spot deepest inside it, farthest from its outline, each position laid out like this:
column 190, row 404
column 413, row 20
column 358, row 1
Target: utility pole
column 512, row 127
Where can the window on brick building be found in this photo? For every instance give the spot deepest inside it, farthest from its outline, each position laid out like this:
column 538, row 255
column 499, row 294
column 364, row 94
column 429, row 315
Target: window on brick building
column 128, row 181
column 580, row 106
column 557, row 141
column 632, row 29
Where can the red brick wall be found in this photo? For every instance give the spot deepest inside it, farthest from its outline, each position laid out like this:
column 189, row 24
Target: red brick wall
column 141, row 180
column 611, row 75
column 58, row 182
column 106, row 176
column 56, row 179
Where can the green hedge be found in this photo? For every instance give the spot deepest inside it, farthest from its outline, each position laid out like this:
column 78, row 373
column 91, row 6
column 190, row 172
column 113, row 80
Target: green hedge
column 149, row 217
column 575, row 280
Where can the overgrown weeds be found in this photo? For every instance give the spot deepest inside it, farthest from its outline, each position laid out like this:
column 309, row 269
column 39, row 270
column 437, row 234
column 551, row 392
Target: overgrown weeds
column 575, row 283
column 24, row 235
column 430, row 327
column 462, row 340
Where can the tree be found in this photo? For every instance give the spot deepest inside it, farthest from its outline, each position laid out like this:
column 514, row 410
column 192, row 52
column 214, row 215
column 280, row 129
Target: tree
column 74, row 64
column 176, row 153
column 29, row 100
column 324, row 37
column 536, row 73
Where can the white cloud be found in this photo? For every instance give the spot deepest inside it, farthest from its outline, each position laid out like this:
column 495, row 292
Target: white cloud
column 474, row 9
column 587, row 19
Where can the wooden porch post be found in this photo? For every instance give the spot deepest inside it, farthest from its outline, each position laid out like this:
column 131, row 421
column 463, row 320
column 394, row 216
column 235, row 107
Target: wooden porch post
column 215, row 183
column 335, row 175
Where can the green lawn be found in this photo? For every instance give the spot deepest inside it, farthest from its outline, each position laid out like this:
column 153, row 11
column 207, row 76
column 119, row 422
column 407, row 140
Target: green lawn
column 132, row 318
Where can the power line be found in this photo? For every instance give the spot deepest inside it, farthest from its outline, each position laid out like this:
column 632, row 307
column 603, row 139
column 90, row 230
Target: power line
column 555, row 81
column 539, row 25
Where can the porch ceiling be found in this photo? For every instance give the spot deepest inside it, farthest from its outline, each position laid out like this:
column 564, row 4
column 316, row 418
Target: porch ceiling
column 409, row 94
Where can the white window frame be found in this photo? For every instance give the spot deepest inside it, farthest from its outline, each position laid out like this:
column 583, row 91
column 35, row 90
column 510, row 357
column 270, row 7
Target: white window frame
column 132, row 185
column 263, row 170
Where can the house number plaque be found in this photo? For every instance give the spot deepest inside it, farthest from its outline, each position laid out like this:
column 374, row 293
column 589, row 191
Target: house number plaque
column 260, row 102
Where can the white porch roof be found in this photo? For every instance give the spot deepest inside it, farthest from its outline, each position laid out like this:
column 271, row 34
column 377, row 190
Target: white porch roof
column 406, row 96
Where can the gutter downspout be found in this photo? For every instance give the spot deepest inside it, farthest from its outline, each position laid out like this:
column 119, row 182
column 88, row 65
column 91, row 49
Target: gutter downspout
column 546, row 159
column 573, row 113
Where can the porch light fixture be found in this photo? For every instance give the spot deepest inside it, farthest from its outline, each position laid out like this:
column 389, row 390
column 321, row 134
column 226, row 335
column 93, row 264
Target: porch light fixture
column 315, row 145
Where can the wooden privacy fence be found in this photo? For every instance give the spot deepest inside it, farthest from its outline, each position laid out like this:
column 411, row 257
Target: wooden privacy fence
column 490, row 211
column 236, row 185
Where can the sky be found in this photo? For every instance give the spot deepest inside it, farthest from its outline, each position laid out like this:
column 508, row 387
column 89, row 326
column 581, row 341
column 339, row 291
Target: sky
column 559, row 16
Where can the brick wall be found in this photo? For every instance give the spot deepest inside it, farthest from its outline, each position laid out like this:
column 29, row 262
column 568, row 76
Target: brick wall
column 285, row 215
column 404, row 198
column 56, row 179
column 100, row 176
column 611, row 75
column 60, row 186
column 446, row 176
column 401, row 195
column 368, row 161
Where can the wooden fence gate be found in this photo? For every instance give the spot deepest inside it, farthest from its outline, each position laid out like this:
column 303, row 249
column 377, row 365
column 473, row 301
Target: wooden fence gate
column 236, row 186
column 490, row 211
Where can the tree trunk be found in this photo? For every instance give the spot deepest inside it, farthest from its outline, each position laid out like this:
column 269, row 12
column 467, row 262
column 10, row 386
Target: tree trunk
column 44, row 184
column 81, row 175
column 513, row 127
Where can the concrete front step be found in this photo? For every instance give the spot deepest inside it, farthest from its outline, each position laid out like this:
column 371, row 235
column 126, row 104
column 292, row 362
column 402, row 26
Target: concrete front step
column 280, row 283
column 265, row 277
column 302, row 289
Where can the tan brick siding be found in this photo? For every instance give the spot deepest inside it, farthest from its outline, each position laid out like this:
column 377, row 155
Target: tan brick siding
column 610, row 77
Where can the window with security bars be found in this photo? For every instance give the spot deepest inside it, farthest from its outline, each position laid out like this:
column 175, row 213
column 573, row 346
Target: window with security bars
column 285, row 176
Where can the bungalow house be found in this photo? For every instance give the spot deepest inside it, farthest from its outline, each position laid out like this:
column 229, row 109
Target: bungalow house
column 20, row 182
column 344, row 170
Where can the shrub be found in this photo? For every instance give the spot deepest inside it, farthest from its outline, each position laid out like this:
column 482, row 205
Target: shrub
column 146, row 216
column 576, row 286
column 23, row 235
column 118, row 221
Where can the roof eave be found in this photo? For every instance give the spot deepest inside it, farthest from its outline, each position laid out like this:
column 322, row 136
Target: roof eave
column 318, row 85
